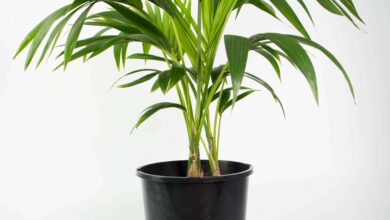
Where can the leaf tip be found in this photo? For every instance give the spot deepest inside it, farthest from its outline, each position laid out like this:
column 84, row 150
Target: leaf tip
column 317, row 101
column 133, row 129
column 26, row 66
column 354, row 99
column 15, row 56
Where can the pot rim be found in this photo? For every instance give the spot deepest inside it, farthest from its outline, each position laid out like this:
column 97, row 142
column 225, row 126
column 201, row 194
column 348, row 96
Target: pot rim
column 180, row 179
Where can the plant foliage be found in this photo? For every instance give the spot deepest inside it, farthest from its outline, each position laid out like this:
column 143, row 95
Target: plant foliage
column 187, row 43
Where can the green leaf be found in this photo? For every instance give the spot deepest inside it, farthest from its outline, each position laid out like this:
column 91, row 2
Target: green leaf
column 329, row 55
column 346, row 14
column 124, row 54
column 135, row 3
column 131, row 73
column 290, row 15
column 215, row 72
column 163, row 79
column 140, row 23
column 142, row 38
column 176, row 74
column 146, row 48
column 351, row 7
column 74, row 34
column 227, row 90
column 94, row 40
column 237, row 49
column 264, row 6
column 270, row 59
column 169, row 78
column 118, row 55
column 119, row 40
column 139, row 81
column 36, row 36
column 239, row 5
column 38, row 28
column 148, row 112
column 143, row 56
column 54, row 36
column 27, row 40
column 272, row 51
column 266, row 86
column 113, row 16
column 77, row 3
column 94, row 48
column 230, row 103
column 156, row 85
column 226, row 94
column 164, row 4
column 302, row 3
column 277, row 53
column 297, row 54
column 330, row 6
column 125, row 28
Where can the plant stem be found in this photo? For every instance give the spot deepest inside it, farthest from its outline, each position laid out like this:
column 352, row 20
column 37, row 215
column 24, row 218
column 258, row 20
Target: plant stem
column 199, row 64
column 217, row 118
column 194, row 168
column 185, row 115
column 213, row 163
column 219, row 133
column 211, row 94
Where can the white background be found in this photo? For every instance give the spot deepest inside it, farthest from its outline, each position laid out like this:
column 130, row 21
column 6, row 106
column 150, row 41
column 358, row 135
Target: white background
column 66, row 152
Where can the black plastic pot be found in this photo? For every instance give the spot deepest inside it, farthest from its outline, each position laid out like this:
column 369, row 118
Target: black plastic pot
column 169, row 195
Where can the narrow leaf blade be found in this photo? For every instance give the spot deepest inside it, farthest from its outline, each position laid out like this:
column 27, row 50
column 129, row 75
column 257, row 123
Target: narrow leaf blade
column 150, row 111
column 74, row 34
column 237, row 49
column 290, row 15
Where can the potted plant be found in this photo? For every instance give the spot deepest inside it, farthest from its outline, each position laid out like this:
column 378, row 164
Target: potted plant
column 187, row 43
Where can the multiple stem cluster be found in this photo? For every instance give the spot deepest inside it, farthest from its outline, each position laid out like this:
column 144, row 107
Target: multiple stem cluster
column 200, row 121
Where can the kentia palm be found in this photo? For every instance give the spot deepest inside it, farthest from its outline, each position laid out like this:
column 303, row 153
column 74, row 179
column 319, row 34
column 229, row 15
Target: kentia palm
column 188, row 44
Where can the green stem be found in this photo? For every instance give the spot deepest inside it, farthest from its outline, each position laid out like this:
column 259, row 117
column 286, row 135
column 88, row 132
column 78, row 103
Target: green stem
column 199, row 65
column 188, row 98
column 185, row 82
column 216, row 119
column 218, row 135
column 185, row 115
column 211, row 94
column 209, row 133
column 208, row 99
column 209, row 156
column 194, row 168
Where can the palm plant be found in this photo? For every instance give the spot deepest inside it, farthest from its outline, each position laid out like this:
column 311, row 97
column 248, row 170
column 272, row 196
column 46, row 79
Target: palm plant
column 170, row 32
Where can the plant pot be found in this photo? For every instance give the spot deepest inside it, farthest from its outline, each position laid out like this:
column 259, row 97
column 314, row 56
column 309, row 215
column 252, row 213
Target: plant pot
column 170, row 195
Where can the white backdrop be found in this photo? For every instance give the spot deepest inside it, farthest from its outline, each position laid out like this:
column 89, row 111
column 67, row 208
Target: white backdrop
column 66, row 152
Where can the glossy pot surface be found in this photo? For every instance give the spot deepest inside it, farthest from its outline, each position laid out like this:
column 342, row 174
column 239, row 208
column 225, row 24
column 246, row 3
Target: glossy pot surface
column 170, row 195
